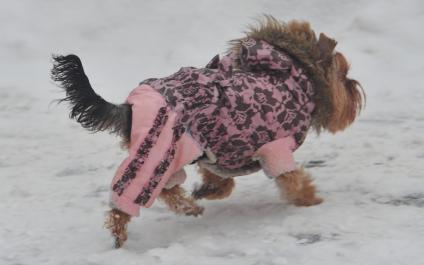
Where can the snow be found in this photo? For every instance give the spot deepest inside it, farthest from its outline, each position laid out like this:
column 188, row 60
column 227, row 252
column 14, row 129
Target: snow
column 55, row 176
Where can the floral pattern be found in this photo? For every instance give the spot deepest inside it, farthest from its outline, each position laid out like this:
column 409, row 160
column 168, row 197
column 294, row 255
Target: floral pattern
column 234, row 110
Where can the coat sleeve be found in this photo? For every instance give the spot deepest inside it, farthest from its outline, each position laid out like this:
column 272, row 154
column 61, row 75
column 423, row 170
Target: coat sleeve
column 258, row 55
column 276, row 157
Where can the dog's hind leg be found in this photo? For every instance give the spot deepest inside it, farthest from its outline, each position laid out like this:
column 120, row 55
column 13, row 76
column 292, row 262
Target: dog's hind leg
column 213, row 187
column 297, row 187
column 117, row 222
column 177, row 201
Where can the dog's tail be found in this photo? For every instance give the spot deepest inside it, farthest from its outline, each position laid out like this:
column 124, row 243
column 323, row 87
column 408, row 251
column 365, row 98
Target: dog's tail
column 89, row 109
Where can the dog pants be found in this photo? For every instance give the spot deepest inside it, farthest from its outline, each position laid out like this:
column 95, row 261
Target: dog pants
column 157, row 153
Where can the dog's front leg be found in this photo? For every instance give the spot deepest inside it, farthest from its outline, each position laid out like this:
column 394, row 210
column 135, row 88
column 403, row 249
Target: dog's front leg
column 117, row 222
column 177, row 201
column 297, row 187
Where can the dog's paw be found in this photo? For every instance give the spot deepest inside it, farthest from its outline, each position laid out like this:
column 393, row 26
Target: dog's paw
column 307, row 201
column 188, row 208
column 305, row 194
column 119, row 242
column 194, row 211
column 116, row 221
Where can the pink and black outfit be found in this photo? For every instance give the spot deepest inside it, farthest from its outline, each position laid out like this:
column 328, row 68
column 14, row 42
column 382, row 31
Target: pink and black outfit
column 246, row 111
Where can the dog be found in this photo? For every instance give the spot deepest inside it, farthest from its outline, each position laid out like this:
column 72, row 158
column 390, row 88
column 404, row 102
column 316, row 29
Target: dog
column 249, row 110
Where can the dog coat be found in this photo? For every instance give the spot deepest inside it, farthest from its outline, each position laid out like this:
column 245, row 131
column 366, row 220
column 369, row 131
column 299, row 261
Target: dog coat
column 252, row 107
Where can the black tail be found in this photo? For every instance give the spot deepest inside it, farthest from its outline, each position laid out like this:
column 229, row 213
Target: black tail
column 92, row 111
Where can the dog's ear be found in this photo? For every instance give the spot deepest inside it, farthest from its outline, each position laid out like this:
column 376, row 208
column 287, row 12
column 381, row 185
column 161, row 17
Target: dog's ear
column 326, row 47
column 326, row 44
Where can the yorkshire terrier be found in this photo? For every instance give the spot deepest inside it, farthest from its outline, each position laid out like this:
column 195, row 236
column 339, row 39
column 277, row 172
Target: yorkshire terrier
column 249, row 110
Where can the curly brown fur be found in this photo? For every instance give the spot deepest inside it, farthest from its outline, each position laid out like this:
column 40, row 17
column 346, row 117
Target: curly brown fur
column 177, row 201
column 319, row 60
column 213, row 187
column 347, row 95
column 117, row 222
column 297, row 187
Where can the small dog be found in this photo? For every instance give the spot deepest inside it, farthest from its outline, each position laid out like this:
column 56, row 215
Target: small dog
column 249, row 110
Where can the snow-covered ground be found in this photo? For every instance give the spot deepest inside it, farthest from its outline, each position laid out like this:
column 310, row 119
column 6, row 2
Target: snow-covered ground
column 55, row 176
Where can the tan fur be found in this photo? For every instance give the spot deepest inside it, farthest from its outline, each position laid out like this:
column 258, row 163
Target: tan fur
column 347, row 95
column 297, row 187
column 179, row 203
column 213, row 187
column 116, row 222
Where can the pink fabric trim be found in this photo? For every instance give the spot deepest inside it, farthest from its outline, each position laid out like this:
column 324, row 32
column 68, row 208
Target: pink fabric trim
column 145, row 103
column 276, row 157
column 124, row 204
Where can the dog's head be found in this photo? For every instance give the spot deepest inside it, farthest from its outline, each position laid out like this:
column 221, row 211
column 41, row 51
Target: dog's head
column 347, row 95
column 340, row 98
